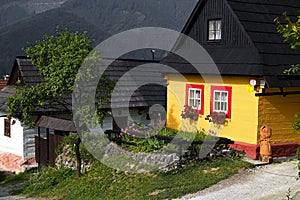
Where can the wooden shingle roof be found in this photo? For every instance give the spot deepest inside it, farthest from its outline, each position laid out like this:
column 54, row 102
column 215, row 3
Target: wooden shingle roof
column 25, row 72
column 4, row 93
column 145, row 96
column 250, row 42
column 257, row 18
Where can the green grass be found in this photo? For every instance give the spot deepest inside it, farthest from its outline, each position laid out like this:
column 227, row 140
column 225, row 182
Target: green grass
column 102, row 182
column 13, row 179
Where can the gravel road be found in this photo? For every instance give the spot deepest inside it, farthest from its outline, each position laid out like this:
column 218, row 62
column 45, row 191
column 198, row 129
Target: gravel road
column 269, row 182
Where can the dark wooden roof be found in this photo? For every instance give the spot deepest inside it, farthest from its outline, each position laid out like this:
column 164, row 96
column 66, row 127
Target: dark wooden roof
column 56, row 124
column 145, row 96
column 25, row 72
column 250, row 43
column 4, row 93
column 257, row 18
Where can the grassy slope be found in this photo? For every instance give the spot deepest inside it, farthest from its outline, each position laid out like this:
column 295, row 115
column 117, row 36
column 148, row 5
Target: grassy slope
column 105, row 183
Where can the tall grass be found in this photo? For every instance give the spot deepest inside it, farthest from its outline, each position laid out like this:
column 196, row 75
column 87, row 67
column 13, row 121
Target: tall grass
column 102, row 182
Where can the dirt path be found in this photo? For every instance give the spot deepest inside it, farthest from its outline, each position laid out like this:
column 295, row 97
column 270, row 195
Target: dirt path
column 262, row 183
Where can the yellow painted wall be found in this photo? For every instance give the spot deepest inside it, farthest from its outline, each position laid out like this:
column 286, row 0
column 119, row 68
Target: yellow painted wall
column 243, row 125
column 278, row 112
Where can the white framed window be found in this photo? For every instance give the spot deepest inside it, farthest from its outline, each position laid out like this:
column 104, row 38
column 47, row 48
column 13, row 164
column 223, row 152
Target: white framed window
column 215, row 29
column 220, row 102
column 195, row 97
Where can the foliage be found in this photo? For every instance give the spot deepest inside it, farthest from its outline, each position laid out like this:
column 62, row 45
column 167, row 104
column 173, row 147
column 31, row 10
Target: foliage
column 137, row 137
column 216, row 117
column 70, row 140
column 190, row 112
column 290, row 30
column 296, row 124
column 48, row 179
column 102, row 182
column 141, row 138
column 58, row 59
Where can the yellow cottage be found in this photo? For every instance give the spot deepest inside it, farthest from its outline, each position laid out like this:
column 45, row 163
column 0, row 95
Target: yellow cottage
column 250, row 88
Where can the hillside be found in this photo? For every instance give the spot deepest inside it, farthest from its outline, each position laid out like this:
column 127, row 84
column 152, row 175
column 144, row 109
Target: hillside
column 100, row 18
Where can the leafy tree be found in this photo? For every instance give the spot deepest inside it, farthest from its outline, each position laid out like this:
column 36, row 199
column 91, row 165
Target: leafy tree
column 290, row 30
column 58, row 59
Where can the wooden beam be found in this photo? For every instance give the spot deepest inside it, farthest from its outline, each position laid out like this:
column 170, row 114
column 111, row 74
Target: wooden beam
column 276, row 93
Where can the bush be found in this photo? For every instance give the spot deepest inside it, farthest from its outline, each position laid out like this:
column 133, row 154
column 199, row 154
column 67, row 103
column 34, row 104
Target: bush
column 71, row 140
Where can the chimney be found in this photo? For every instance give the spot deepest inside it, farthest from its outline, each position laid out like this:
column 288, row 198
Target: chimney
column 6, row 77
column 3, row 82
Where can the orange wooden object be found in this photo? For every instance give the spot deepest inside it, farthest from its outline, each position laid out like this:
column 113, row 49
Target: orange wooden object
column 265, row 145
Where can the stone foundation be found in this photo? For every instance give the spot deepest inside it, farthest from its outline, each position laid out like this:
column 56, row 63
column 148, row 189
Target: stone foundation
column 278, row 150
column 284, row 149
column 15, row 163
column 251, row 150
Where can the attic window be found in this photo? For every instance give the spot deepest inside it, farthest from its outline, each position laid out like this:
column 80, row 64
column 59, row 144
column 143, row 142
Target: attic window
column 214, row 29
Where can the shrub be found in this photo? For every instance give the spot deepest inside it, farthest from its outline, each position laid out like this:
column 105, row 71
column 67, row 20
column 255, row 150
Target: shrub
column 71, row 140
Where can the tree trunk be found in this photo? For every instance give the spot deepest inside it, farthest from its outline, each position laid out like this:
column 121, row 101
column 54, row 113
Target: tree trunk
column 78, row 158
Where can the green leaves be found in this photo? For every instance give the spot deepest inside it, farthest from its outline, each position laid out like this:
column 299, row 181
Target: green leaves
column 58, row 59
column 290, row 30
column 296, row 124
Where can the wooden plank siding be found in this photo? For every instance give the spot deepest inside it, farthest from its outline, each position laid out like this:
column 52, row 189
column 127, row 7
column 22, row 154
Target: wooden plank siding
column 278, row 112
column 233, row 33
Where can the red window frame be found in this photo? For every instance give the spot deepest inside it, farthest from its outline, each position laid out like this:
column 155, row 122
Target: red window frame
column 228, row 89
column 195, row 86
column 7, row 127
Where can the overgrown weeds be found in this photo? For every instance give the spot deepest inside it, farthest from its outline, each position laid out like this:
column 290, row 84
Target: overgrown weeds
column 102, row 182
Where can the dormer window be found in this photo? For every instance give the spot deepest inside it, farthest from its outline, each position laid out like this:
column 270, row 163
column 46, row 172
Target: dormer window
column 214, row 30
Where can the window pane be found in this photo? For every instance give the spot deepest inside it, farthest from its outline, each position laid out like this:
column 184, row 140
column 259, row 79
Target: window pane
column 198, row 93
column 217, row 106
column 217, row 95
column 196, row 104
column 211, row 25
column 218, row 25
column 211, row 35
column 222, row 106
column 192, row 93
column 191, row 102
column 224, row 96
column 218, row 35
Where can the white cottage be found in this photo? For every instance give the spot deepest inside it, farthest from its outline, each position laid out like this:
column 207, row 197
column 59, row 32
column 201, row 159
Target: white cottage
column 16, row 140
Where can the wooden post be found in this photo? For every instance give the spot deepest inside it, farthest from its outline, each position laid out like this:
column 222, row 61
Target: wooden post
column 48, row 145
column 39, row 146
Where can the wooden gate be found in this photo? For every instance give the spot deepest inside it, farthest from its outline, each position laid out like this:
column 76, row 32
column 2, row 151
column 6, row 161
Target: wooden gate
column 45, row 149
